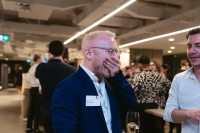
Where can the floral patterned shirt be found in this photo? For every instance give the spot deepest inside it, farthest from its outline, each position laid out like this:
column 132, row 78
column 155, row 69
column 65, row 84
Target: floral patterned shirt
column 150, row 87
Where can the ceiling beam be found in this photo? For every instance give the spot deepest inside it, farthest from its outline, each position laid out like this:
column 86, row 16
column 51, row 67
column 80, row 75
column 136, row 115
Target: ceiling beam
column 167, row 2
column 122, row 22
column 177, row 19
column 57, row 4
column 97, row 10
column 49, row 30
column 145, row 12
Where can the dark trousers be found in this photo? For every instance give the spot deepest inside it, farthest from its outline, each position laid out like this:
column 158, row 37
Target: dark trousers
column 34, row 112
column 176, row 125
column 48, row 124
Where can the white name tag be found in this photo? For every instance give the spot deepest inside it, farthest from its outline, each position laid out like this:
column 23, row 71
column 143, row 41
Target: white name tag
column 92, row 101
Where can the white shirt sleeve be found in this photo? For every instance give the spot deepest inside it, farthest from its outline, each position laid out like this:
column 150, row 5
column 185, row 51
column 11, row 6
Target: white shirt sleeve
column 172, row 101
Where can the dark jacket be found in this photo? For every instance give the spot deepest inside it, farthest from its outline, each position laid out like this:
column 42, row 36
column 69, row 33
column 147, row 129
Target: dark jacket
column 49, row 74
column 70, row 113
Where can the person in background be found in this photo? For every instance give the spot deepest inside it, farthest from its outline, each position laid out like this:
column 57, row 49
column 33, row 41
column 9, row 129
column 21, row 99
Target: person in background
column 127, row 72
column 183, row 102
column 156, row 66
column 34, row 113
column 184, row 65
column 150, row 88
column 135, row 70
column 49, row 74
column 166, row 71
column 27, row 86
column 89, row 101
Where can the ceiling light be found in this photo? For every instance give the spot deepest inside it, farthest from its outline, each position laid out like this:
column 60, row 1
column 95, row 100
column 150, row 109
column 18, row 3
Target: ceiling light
column 99, row 21
column 157, row 37
column 172, row 47
column 171, row 39
column 169, row 51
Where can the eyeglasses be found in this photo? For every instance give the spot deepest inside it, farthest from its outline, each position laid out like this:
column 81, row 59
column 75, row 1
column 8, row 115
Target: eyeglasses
column 111, row 51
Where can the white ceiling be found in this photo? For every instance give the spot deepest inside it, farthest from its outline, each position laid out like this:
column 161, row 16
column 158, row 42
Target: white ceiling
column 32, row 24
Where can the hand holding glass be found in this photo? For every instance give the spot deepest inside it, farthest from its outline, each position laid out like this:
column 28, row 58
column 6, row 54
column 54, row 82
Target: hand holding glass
column 132, row 122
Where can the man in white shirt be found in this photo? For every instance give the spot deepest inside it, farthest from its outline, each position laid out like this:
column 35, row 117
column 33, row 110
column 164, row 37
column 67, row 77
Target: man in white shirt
column 34, row 108
column 183, row 104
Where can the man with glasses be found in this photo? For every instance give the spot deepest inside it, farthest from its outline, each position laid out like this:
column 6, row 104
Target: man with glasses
column 89, row 101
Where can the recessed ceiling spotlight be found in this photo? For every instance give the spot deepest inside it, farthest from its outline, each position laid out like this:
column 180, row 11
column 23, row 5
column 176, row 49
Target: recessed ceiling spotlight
column 171, row 39
column 169, row 51
column 172, row 47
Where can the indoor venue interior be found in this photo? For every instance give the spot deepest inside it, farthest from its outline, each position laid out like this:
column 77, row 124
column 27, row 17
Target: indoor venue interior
column 154, row 28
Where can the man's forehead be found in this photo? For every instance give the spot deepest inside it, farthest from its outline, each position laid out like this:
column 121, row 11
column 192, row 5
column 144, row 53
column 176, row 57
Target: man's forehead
column 103, row 39
column 194, row 38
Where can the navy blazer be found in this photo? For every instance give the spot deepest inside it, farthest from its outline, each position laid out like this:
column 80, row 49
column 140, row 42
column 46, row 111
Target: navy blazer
column 69, row 111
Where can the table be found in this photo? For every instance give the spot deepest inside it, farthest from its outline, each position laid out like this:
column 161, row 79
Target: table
column 158, row 119
column 156, row 112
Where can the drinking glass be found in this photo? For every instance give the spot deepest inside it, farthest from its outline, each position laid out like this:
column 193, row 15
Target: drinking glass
column 132, row 122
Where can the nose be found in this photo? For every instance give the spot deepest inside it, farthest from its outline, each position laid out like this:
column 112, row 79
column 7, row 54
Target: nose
column 191, row 50
column 116, row 54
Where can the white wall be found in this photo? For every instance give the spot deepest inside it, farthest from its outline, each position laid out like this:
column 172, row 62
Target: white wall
column 125, row 59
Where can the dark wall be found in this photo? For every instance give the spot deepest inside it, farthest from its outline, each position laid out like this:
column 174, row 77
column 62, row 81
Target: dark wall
column 151, row 53
column 174, row 62
column 11, row 68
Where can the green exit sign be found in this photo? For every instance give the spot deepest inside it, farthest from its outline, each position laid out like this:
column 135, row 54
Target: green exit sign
column 4, row 38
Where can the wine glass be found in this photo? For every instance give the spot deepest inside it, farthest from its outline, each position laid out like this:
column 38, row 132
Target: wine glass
column 132, row 122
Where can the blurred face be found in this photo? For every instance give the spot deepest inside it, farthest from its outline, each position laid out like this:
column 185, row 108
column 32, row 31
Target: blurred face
column 135, row 70
column 139, row 66
column 103, row 47
column 39, row 60
column 152, row 66
column 193, row 50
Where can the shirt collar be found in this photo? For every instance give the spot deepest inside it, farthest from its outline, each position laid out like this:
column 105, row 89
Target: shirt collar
column 191, row 73
column 55, row 60
column 90, row 73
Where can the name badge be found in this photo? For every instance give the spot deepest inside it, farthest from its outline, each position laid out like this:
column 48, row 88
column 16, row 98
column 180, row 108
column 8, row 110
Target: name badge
column 92, row 101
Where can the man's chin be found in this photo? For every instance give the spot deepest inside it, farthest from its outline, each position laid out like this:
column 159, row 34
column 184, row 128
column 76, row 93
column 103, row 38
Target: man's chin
column 106, row 75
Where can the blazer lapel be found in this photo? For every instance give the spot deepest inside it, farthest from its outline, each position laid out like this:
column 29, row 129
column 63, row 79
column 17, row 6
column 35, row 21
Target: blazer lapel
column 90, row 90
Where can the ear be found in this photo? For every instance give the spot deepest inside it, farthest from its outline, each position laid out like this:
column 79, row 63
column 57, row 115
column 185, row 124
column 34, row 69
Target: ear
column 89, row 54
